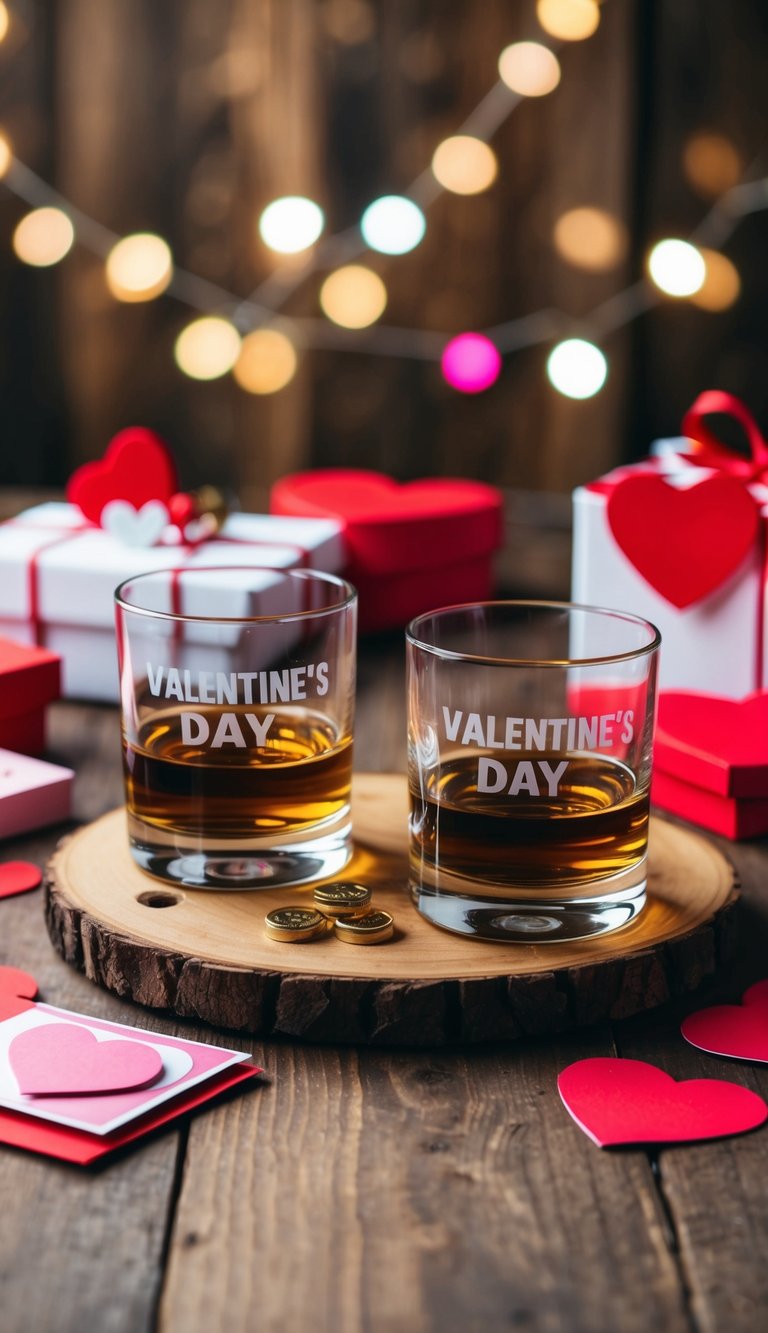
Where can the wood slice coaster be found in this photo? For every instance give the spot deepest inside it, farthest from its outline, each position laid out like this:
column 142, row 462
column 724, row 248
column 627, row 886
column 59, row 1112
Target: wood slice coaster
column 204, row 954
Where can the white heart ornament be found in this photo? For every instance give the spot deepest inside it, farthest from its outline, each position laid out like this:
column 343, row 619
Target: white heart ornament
column 135, row 527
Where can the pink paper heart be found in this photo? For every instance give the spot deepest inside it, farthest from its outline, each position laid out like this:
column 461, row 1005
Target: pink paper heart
column 64, row 1059
column 629, row 1101
column 736, row 1030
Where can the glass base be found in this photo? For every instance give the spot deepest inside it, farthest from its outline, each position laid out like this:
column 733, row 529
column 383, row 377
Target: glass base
column 253, row 866
column 529, row 922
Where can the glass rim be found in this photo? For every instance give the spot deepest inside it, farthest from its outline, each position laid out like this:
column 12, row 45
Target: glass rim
column 348, row 595
column 603, row 659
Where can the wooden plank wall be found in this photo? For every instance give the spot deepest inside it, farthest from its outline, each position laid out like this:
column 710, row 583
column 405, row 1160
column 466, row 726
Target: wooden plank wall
column 187, row 118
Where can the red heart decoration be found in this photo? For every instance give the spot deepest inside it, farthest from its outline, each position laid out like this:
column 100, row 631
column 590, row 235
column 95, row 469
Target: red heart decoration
column 391, row 526
column 136, row 467
column 721, row 744
column 18, row 877
column 736, row 1030
column 629, row 1101
column 684, row 542
column 17, row 991
column 64, row 1059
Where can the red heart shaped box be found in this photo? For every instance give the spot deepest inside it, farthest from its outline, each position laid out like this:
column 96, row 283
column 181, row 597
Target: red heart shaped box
column 411, row 546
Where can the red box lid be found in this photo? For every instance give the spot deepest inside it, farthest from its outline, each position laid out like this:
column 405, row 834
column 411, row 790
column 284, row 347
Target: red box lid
column 391, row 526
column 30, row 677
column 728, row 815
column 717, row 744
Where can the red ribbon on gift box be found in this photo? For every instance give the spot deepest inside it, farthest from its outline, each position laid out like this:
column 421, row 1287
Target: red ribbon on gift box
column 713, row 453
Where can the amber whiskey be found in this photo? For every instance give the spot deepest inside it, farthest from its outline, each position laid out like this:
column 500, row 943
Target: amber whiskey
column 593, row 828
column 274, row 773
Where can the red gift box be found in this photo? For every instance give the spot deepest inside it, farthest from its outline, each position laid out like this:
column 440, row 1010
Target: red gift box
column 409, row 547
column 30, row 678
column 711, row 761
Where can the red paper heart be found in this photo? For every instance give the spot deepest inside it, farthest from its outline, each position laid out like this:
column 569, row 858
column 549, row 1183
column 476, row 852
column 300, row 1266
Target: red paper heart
column 64, row 1059
column 17, row 991
column 393, row 526
column 629, row 1101
column 684, row 542
column 18, row 877
column 720, row 743
column 137, row 467
column 736, row 1030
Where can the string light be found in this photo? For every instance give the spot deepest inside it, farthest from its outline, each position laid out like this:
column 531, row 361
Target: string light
column 464, row 164
column 577, row 368
column 590, row 238
column 207, row 348
column 6, row 155
column 393, row 225
column 5, row 21
column 529, row 69
column 677, row 267
column 139, row 267
column 211, row 346
column 711, row 163
column 722, row 284
column 470, row 363
column 568, row 20
column 43, row 237
column 267, row 362
column 353, row 297
column 291, row 224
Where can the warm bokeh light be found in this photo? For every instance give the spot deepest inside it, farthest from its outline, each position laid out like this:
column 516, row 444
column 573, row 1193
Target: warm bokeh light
column 530, row 69
column 464, row 165
column 577, row 368
column 470, row 363
column 354, row 297
column 6, row 155
column 5, row 21
column 676, row 267
column 590, row 238
column 291, row 224
column 139, row 267
column 267, row 361
column 207, row 348
column 569, row 20
column 43, row 237
column 350, row 22
column 722, row 284
column 393, row 225
column 712, row 164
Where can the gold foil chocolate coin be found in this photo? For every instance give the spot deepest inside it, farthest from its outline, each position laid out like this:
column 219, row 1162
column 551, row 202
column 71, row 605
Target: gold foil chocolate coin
column 295, row 924
column 372, row 928
column 333, row 899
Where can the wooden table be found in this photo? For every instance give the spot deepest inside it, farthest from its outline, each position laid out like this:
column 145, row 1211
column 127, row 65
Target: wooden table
column 379, row 1189
column 382, row 1190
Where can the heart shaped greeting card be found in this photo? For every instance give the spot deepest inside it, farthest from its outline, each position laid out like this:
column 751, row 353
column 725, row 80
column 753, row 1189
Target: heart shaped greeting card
column 739, row 1031
column 64, row 1059
column 630, row 1102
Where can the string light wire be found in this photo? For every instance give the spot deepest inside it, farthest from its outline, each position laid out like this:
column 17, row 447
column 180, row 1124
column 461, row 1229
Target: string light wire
column 264, row 303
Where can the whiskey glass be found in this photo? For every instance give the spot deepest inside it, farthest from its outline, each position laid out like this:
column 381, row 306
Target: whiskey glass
column 530, row 728
column 237, row 690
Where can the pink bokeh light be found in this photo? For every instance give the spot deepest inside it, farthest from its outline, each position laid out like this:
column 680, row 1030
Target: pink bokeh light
column 470, row 363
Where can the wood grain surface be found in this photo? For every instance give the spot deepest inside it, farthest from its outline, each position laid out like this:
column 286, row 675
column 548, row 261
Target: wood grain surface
column 205, row 954
column 387, row 1190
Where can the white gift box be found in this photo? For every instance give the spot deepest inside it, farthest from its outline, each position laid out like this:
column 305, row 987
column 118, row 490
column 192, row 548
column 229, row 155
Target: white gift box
column 58, row 576
column 718, row 645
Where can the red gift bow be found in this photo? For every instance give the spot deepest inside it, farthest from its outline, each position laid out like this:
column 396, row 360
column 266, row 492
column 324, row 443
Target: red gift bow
column 713, row 453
